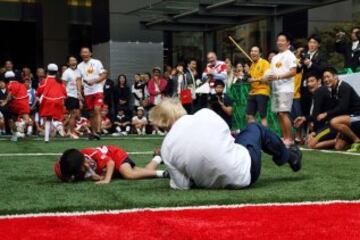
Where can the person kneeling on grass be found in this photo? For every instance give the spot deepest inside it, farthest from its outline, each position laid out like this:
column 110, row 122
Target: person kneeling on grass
column 102, row 164
column 200, row 151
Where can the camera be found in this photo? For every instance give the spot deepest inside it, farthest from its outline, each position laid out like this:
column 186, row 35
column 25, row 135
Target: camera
column 304, row 55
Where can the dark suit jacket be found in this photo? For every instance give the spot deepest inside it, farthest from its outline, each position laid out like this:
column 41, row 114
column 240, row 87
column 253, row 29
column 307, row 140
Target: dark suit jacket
column 351, row 57
column 318, row 63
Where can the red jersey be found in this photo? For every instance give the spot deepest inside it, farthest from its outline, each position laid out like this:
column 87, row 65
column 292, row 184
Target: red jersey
column 51, row 89
column 20, row 99
column 100, row 156
column 52, row 95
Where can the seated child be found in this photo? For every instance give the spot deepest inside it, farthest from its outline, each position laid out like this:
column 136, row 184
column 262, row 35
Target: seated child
column 102, row 164
column 82, row 126
column 122, row 124
column 139, row 122
column 106, row 123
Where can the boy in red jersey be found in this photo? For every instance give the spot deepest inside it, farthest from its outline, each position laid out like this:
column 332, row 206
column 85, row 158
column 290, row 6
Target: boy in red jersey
column 18, row 100
column 53, row 93
column 103, row 163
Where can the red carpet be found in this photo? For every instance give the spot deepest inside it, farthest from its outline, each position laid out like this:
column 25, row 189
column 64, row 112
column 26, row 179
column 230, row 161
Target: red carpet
column 332, row 221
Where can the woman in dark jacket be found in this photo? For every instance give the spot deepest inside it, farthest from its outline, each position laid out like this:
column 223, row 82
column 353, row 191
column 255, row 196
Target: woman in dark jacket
column 122, row 93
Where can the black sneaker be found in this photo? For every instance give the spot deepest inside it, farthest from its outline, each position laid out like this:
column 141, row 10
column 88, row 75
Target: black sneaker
column 166, row 174
column 94, row 136
column 295, row 158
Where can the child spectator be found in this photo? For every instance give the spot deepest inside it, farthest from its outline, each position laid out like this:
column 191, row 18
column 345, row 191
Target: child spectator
column 18, row 103
column 33, row 100
column 2, row 124
column 122, row 123
column 106, row 124
column 82, row 127
column 139, row 122
column 53, row 92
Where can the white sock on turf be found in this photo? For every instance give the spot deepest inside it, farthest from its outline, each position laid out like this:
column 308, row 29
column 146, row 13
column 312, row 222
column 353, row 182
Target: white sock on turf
column 159, row 173
column 157, row 159
column 47, row 131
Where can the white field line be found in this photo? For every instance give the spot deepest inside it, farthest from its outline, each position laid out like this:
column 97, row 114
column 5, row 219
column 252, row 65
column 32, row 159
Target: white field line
column 57, row 154
column 148, row 152
column 103, row 138
column 161, row 209
column 330, row 151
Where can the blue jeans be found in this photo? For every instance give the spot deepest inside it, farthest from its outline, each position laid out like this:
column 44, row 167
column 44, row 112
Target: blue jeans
column 255, row 138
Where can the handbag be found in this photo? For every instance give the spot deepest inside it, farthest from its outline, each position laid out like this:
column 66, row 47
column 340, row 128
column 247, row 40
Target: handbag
column 186, row 94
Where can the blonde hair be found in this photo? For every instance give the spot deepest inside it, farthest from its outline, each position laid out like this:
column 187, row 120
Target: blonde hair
column 165, row 114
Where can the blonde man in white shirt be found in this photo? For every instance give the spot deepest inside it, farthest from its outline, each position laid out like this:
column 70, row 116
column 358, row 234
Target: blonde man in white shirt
column 200, row 151
column 93, row 75
column 282, row 73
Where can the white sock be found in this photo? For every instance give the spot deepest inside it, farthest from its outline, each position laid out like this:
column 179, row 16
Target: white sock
column 159, row 173
column 30, row 130
column 47, row 131
column 157, row 159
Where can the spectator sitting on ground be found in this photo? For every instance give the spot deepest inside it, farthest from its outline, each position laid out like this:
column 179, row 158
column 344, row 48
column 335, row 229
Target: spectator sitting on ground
column 221, row 103
column 106, row 123
column 122, row 123
column 321, row 135
column 345, row 116
column 83, row 126
column 139, row 122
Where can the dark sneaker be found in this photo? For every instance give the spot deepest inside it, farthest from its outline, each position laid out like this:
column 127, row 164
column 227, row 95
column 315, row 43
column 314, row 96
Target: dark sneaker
column 166, row 174
column 295, row 158
column 94, row 136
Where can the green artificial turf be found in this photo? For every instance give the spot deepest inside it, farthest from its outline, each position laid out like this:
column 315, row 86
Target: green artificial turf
column 28, row 183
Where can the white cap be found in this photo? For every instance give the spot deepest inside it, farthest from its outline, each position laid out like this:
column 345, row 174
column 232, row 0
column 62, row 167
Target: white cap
column 9, row 74
column 52, row 67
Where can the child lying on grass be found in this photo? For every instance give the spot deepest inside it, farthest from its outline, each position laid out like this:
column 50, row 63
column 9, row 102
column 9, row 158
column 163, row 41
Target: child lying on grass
column 103, row 163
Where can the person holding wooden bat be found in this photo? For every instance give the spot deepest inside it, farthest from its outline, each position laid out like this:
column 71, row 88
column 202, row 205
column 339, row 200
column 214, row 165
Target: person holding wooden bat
column 260, row 90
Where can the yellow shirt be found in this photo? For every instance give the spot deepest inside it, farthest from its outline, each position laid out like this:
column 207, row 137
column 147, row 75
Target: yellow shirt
column 297, row 83
column 257, row 71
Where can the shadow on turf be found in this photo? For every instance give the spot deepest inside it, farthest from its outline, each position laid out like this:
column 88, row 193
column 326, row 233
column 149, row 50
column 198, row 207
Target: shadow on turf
column 264, row 182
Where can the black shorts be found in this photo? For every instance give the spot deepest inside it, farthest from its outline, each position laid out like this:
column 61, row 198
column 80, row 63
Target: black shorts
column 257, row 103
column 129, row 161
column 325, row 133
column 72, row 103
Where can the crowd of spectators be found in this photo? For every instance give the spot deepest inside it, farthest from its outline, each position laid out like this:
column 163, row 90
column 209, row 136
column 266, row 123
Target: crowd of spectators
column 305, row 94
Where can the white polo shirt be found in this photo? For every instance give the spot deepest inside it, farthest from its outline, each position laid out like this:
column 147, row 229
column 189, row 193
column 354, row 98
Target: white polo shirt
column 200, row 148
column 90, row 71
column 281, row 64
column 70, row 76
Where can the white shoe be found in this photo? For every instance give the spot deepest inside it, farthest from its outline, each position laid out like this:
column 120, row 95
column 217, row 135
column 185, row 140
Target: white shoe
column 20, row 135
column 14, row 138
column 116, row 134
column 124, row 133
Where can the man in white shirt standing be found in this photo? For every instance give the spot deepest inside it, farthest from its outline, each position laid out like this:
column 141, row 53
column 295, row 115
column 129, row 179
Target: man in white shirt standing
column 283, row 70
column 92, row 73
column 72, row 80
column 199, row 150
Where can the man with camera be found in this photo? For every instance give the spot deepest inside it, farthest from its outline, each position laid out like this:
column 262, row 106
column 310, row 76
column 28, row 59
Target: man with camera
column 221, row 103
column 313, row 60
column 350, row 50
